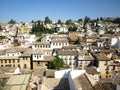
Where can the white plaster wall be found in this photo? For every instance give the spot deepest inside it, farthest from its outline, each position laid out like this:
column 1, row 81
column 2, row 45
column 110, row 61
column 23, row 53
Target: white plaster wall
column 37, row 57
column 114, row 41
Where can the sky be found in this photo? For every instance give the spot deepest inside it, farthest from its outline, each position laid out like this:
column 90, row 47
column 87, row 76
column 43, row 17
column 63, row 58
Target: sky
column 27, row 10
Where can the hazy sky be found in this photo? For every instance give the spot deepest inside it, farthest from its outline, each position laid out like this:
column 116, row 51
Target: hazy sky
column 27, row 10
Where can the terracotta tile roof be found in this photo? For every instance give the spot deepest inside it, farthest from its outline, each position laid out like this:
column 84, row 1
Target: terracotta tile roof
column 37, row 51
column 47, row 50
column 50, row 73
column 9, row 57
column 82, row 52
column 11, row 50
column 48, row 58
column 67, row 52
column 57, row 41
column 2, row 52
column 56, row 84
column 88, row 58
column 82, row 82
column 16, row 49
column 40, row 43
column 91, row 70
column 28, row 52
column 108, row 35
column 102, row 57
column 93, row 37
column 69, row 47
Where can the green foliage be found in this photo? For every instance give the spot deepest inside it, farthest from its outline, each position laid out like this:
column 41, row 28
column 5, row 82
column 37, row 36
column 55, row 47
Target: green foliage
column 117, row 20
column 86, row 20
column 12, row 21
column 77, row 41
column 74, row 28
column 69, row 40
column 1, row 28
column 47, row 20
column 39, row 40
column 57, row 63
column 97, row 30
column 68, row 22
column 38, row 29
column 2, row 37
column 80, row 20
column 3, row 84
column 59, row 21
column 110, row 32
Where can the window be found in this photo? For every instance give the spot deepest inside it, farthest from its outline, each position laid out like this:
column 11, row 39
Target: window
column 1, row 65
column 25, row 66
column 106, row 63
column 9, row 61
column 110, row 76
column 18, row 61
column 5, row 61
column 80, row 62
column 49, row 46
column 59, row 43
column 12, row 54
column 13, row 61
column 13, row 65
column 41, row 46
column 106, row 76
column 1, row 61
column 37, row 56
column 19, row 65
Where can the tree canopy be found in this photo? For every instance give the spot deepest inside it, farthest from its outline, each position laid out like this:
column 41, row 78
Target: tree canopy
column 72, row 28
column 59, row 21
column 47, row 20
column 11, row 21
column 3, row 84
column 57, row 63
column 38, row 29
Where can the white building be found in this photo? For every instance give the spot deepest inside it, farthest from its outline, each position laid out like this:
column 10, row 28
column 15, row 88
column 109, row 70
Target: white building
column 50, row 45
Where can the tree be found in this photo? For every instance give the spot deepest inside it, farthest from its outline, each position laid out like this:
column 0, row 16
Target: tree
column 80, row 20
column 101, row 18
column 11, row 21
column 77, row 41
column 97, row 30
column 68, row 22
column 1, row 28
column 69, row 40
column 74, row 28
column 86, row 20
column 47, row 20
column 3, row 84
column 59, row 21
column 57, row 63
